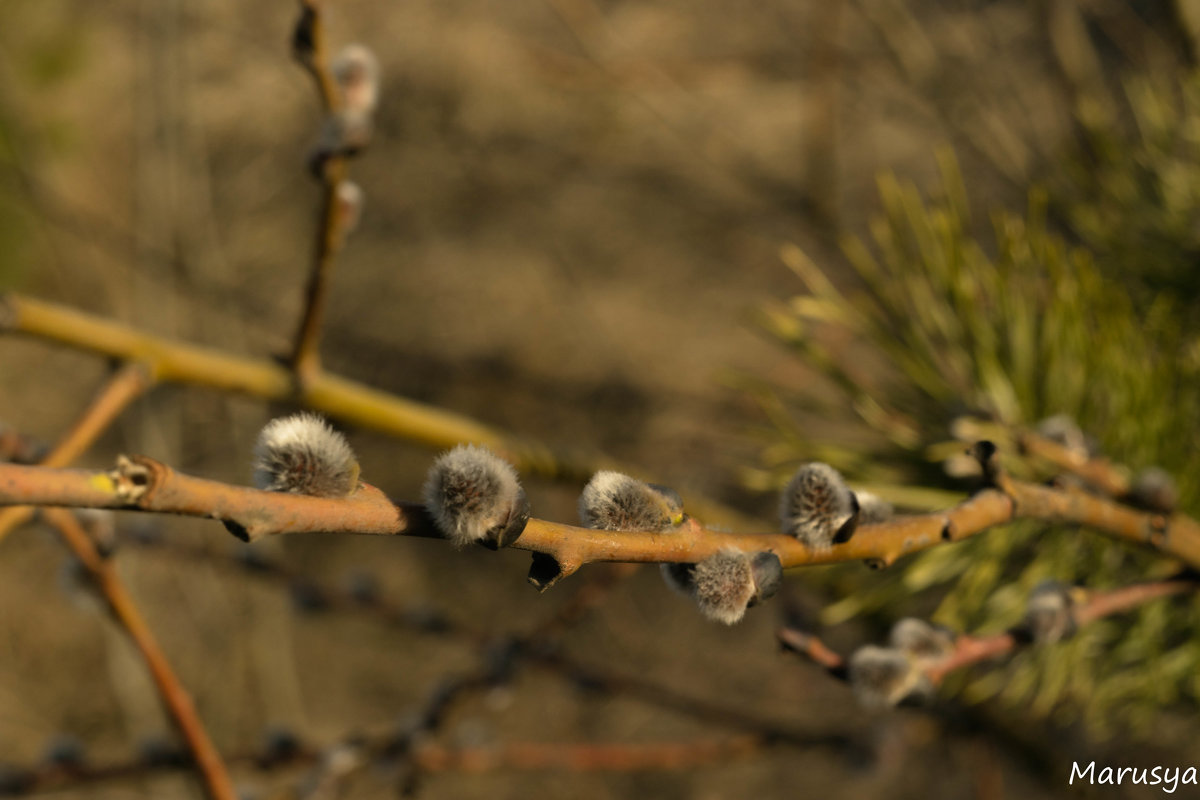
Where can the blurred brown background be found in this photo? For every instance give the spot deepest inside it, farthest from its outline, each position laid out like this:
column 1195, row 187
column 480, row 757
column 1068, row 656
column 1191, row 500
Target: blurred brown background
column 573, row 209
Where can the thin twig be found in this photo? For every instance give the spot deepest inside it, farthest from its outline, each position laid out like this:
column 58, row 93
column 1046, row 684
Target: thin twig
column 174, row 697
column 305, row 357
column 971, row 650
column 125, row 386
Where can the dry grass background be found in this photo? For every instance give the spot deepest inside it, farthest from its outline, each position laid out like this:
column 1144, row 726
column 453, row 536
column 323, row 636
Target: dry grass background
column 573, row 207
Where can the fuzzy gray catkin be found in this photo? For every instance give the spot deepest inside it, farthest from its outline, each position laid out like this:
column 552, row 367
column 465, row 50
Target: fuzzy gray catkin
column 817, row 507
column 728, row 582
column 475, row 496
column 302, row 454
column 612, row 501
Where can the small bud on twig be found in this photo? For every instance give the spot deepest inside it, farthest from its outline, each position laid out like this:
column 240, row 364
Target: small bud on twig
column 730, row 581
column 817, row 507
column 302, row 454
column 64, row 752
column 350, row 206
column 883, row 677
column 1050, row 613
column 872, row 508
column 925, row 644
column 474, row 496
column 613, row 501
column 1153, row 488
column 356, row 72
column 1062, row 429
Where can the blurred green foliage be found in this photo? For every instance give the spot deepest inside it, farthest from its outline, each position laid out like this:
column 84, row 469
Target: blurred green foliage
column 1132, row 193
column 942, row 323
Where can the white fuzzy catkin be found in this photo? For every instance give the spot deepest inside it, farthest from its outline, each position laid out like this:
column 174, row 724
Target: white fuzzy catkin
column 302, row 454
column 816, row 505
column 724, row 585
column 474, row 496
column 872, row 508
column 1050, row 612
column 613, row 501
column 728, row 582
column 356, row 72
column 923, row 643
column 883, row 676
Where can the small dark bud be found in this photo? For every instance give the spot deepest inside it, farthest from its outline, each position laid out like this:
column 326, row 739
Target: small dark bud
column 678, row 577
column 1050, row 613
column 253, row 559
column 363, row 588
column 612, row 501
column 474, row 496
column 160, row 752
column 308, row 598
column 279, row 746
column 15, row 781
column 64, row 752
column 817, row 507
column 1154, row 489
column 303, row 36
column 984, row 452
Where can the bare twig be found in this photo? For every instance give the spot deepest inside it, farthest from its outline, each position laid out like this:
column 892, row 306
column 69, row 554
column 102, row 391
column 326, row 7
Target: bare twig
column 176, row 699
column 971, row 650
column 125, row 386
column 305, row 357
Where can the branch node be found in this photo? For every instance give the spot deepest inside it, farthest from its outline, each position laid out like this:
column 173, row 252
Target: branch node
column 546, row 570
column 133, row 478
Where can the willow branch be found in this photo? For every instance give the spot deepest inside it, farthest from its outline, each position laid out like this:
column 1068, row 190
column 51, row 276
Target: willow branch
column 125, row 386
column 971, row 650
column 355, row 403
column 305, row 358
column 175, row 698
column 143, row 484
column 1099, row 472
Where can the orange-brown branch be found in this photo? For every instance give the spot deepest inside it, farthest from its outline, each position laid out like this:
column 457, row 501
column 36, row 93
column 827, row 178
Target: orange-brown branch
column 971, row 650
column 352, row 402
column 125, row 386
column 144, row 484
column 174, row 697
column 305, row 357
